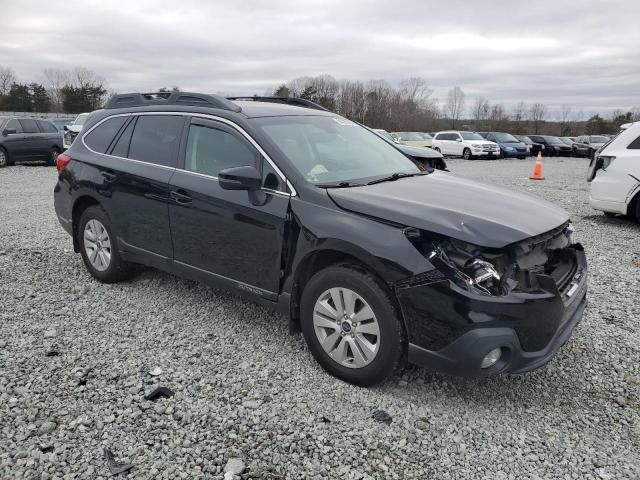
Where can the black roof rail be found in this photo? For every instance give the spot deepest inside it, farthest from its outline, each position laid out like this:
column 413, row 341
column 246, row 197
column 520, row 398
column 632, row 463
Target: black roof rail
column 295, row 101
column 125, row 100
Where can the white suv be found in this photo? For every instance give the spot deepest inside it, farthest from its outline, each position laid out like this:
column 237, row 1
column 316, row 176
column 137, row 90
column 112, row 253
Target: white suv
column 468, row 145
column 614, row 174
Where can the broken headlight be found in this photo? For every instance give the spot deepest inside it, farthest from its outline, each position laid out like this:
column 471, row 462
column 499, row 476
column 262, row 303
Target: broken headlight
column 470, row 268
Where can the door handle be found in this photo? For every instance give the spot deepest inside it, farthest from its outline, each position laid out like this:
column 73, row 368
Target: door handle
column 180, row 198
column 108, row 176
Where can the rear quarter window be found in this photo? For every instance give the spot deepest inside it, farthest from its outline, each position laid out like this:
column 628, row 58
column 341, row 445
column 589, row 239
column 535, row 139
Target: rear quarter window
column 635, row 145
column 101, row 136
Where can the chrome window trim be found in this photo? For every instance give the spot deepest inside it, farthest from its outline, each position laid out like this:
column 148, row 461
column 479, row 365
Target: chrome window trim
column 206, row 116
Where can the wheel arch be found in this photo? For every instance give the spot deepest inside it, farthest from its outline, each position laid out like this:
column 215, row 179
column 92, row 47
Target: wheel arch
column 319, row 259
column 79, row 206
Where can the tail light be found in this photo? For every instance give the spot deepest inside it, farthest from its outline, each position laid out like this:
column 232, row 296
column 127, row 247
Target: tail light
column 63, row 160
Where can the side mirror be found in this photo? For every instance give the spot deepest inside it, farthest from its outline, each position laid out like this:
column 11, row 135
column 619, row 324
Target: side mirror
column 65, row 128
column 240, row 178
column 9, row 131
column 458, row 140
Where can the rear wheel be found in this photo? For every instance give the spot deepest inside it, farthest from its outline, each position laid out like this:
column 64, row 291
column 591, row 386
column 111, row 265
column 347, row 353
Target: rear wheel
column 4, row 158
column 53, row 156
column 351, row 325
column 466, row 154
column 98, row 247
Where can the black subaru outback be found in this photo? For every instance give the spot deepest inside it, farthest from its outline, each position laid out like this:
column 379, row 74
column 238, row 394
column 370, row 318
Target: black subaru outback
column 375, row 257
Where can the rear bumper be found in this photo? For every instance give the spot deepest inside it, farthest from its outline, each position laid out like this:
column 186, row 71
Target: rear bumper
column 608, row 206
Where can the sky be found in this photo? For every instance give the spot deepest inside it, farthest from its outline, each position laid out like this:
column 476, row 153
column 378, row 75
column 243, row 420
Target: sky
column 582, row 53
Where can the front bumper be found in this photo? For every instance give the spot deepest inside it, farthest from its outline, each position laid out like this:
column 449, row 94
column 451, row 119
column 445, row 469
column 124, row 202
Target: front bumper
column 451, row 331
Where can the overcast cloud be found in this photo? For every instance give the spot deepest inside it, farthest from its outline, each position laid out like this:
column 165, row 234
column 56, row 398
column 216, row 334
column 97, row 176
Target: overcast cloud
column 582, row 53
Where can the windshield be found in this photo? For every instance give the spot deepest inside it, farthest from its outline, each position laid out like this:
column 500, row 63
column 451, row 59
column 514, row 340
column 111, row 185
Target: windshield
column 567, row 140
column 550, row 139
column 524, row 138
column 471, row 136
column 506, row 138
column 81, row 119
column 425, row 136
column 598, row 139
column 410, row 136
column 333, row 150
column 385, row 134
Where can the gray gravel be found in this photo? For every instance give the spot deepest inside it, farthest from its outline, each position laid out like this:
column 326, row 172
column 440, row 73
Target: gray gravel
column 250, row 402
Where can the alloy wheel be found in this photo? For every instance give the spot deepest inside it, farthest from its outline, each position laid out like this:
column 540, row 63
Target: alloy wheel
column 97, row 245
column 346, row 327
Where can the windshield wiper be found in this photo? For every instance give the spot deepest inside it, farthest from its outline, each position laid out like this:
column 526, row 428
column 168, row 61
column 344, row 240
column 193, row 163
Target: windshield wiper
column 395, row 176
column 338, row 185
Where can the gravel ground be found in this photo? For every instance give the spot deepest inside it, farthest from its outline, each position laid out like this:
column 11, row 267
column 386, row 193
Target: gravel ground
column 249, row 397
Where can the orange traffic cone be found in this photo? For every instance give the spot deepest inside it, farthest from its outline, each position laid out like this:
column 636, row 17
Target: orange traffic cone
column 537, row 170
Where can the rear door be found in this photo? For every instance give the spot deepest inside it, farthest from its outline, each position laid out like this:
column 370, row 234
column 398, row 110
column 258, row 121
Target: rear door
column 141, row 155
column 233, row 237
column 49, row 135
column 32, row 147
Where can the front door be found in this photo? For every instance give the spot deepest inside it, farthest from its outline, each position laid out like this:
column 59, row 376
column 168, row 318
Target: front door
column 231, row 236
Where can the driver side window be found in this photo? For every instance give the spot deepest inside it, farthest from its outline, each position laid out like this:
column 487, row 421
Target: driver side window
column 210, row 150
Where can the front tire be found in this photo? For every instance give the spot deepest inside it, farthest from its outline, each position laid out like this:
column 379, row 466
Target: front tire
column 466, row 154
column 4, row 158
column 351, row 325
column 98, row 247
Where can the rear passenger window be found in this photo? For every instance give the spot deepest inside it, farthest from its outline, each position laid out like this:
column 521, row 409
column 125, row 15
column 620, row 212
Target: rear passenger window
column 210, row 150
column 47, row 127
column 29, row 125
column 121, row 148
column 14, row 124
column 156, row 138
column 635, row 145
column 101, row 136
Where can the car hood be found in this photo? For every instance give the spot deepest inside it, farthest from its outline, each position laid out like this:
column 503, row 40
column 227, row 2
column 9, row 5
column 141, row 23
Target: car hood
column 478, row 213
column 421, row 152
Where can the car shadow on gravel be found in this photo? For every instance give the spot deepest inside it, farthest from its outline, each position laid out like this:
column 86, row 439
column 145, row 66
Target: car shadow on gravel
column 611, row 220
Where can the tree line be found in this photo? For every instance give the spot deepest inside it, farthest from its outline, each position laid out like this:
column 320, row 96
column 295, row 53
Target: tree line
column 411, row 107
column 64, row 91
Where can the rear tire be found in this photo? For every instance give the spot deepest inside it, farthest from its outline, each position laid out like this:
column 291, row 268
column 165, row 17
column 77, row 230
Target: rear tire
column 53, row 156
column 363, row 338
column 98, row 247
column 466, row 154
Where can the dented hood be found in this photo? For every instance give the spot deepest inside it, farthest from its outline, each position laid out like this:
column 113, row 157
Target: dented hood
column 475, row 212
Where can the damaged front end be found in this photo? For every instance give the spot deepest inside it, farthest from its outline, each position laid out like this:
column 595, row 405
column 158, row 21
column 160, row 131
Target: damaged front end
column 519, row 302
column 525, row 266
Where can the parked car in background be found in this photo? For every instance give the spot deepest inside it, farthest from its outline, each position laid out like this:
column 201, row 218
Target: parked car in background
column 553, row 146
column 383, row 133
column 614, row 173
column 468, row 145
column 587, row 145
column 60, row 123
column 28, row 139
column 510, row 146
column 534, row 147
column 71, row 131
column 423, row 156
column 299, row 209
column 414, row 139
column 568, row 140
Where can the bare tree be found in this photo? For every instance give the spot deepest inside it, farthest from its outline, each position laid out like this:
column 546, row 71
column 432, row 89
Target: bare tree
column 537, row 114
column 7, row 78
column 480, row 111
column 455, row 104
column 563, row 117
column 55, row 79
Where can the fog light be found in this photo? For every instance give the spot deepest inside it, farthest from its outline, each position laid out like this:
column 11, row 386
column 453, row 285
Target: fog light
column 491, row 358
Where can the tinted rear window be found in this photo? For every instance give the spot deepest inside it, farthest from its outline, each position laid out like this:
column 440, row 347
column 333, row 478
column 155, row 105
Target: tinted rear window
column 100, row 137
column 47, row 127
column 155, row 139
column 29, row 125
column 635, row 145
